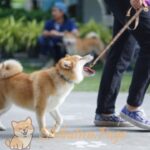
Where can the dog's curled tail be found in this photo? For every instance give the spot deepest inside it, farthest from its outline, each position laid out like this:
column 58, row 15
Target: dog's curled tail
column 92, row 35
column 10, row 68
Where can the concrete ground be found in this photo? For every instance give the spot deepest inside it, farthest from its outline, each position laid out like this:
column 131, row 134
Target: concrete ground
column 78, row 131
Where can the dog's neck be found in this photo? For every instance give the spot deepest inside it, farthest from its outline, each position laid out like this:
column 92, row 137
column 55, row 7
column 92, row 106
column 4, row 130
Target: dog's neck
column 64, row 78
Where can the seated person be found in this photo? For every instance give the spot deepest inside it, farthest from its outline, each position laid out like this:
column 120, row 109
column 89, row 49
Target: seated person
column 51, row 40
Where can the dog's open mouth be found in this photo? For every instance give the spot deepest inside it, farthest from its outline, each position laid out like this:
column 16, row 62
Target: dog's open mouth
column 89, row 71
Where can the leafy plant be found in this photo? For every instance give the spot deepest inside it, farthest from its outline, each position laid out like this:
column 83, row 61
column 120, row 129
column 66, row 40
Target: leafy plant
column 28, row 15
column 18, row 35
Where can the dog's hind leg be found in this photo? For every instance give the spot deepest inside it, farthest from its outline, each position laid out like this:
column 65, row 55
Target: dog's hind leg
column 59, row 120
column 4, row 107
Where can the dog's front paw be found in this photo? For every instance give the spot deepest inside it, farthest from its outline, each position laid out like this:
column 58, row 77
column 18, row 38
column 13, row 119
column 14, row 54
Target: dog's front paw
column 46, row 134
column 55, row 129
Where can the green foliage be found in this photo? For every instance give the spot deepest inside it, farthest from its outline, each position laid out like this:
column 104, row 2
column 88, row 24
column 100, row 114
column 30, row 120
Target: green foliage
column 103, row 32
column 18, row 35
column 19, row 13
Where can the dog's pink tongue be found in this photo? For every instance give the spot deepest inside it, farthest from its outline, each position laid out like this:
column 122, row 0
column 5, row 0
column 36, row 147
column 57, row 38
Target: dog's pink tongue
column 89, row 70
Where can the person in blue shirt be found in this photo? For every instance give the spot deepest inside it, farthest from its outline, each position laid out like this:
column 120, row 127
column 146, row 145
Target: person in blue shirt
column 51, row 40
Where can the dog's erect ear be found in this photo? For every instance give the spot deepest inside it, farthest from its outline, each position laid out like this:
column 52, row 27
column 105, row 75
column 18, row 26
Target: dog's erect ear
column 66, row 64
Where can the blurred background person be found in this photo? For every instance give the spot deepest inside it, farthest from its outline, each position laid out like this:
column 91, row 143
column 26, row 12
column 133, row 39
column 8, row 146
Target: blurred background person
column 50, row 42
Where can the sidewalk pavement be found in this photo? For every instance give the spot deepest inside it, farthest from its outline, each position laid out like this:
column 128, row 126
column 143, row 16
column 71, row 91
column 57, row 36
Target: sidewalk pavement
column 78, row 131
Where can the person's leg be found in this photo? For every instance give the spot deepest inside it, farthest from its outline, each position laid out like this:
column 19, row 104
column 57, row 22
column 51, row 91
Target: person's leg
column 142, row 34
column 141, row 76
column 47, row 49
column 117, row 62
column 43, row 44
column 59, row 52
column 140, row 81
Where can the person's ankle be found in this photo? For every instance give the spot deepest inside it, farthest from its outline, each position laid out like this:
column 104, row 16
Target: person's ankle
column 103, row 114
column 132, row 108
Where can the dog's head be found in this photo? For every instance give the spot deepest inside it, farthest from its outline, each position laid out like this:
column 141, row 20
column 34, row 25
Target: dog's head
column 74, row 67
column 69, row 39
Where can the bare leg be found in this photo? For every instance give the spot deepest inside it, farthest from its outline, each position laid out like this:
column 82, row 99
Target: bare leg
column 131, row 108
column 59, row 120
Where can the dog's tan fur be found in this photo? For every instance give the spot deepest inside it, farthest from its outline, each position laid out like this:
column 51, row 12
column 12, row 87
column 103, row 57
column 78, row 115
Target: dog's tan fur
column 82, row 46
column 42, row 91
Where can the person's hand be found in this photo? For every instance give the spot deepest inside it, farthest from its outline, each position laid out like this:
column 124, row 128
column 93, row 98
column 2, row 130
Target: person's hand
column 54, row 33
column 137, row 4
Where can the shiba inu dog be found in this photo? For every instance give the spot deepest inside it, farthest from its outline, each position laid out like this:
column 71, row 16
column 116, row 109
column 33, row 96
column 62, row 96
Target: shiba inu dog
column 42, row 91
column 23, row 132
column 76, row 45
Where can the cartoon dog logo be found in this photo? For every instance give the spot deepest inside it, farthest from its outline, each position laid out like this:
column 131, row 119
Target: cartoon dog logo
column 23, row 133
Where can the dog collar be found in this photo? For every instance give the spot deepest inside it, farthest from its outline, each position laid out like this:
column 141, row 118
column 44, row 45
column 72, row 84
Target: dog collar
column 65, row 79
